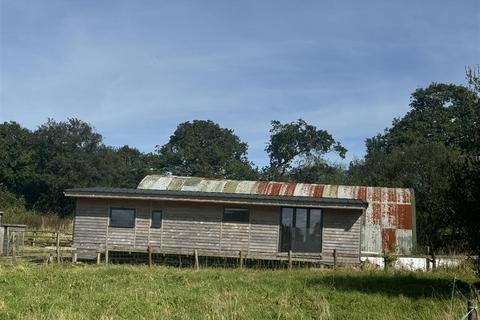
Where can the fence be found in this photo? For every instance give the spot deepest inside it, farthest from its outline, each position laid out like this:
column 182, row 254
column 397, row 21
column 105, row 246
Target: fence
column 40, row 245
column 43, row 238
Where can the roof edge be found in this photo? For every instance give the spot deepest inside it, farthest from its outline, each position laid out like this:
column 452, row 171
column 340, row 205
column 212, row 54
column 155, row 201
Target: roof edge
column 151, row 194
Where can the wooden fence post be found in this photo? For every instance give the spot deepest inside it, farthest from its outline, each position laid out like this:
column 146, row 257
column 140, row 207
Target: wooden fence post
column 34, row 235
column 150, row 260
column 428, row 258
column 434, row 261
column 195, row 253
column 74, row 256
column 58, row 246
column 106, row 255
column 289, row 259
column 472, row 309
column 14, row 249
column 335, row 258
column 240, row 256
column 98, row 256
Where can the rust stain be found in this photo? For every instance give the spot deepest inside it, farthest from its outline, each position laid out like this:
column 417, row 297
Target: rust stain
column 404, row 216
column 361, row 193
column 288, row 189
column 273, row 188
column 392, row 195
column 392, row 214
column 317, row 190
column 405, row 196
column 261, row 187
column 376, row 213
column 388, row 239
column 377, row 194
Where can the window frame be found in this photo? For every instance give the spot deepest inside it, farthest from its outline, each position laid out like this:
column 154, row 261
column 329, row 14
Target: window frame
column 151, row 219
column 236, row 221
column 122, row 227
column 294, row 224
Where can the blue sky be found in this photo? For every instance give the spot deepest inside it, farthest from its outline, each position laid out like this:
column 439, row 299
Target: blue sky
column 135, row 69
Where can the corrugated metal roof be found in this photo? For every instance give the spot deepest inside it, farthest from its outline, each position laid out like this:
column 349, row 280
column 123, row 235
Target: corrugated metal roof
column 99, row 191
column 270, row 188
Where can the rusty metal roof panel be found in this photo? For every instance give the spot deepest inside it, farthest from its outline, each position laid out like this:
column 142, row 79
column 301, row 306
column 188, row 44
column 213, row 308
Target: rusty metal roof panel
column 371, row 194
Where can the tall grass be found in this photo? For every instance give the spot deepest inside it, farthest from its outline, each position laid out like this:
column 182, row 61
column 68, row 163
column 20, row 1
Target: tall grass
column 158, row 292
column 14, row 211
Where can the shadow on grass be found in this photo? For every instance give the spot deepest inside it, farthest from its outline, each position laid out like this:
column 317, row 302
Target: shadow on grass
column 408, row 285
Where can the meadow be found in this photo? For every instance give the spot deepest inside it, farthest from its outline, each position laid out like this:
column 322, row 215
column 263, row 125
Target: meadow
column 29, row 291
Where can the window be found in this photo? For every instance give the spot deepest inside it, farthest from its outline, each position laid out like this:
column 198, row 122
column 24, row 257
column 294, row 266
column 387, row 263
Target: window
column 236, row 215
column 156, row 219
column 122, row 218
column 301, row 230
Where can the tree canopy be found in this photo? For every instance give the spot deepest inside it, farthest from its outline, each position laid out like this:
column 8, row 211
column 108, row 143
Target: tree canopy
column 203, row 148
column 425, row 150
column 297, row 141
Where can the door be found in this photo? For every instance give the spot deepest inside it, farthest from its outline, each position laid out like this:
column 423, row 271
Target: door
column 301, row 230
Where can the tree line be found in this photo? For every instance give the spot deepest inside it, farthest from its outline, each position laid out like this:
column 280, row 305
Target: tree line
column 434, row 149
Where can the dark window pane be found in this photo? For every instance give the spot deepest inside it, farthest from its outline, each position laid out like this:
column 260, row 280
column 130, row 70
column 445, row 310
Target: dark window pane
column 156, row 219
column 286, row 229
column 313, row 242
column 301, row 230
column 236, row 215
column 122, row 218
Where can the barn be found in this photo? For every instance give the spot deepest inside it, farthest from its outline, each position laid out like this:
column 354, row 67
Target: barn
column 262, row 219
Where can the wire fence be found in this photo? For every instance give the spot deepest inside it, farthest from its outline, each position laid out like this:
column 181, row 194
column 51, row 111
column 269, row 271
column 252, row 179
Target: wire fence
column 196, row 260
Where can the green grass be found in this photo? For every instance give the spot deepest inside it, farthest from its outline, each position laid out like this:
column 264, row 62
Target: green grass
column 139, row 292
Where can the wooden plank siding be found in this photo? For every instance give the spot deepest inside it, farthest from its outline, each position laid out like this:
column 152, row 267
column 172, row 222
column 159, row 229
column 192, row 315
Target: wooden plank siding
column 190, row 226
column 184, row 225
column 341, row 231
column 90, row 223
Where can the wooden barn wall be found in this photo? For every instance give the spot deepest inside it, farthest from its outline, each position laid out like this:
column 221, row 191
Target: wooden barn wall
column 200, row 226
column 341, row 231
column 184, row 225
column 90, row 224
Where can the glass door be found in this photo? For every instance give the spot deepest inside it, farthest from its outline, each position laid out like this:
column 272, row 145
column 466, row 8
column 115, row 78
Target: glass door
column 301, row 230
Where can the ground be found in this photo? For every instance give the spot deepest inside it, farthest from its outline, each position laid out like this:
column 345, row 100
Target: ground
column 29, row 291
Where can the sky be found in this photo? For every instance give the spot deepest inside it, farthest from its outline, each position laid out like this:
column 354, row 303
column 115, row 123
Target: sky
column 136, row 69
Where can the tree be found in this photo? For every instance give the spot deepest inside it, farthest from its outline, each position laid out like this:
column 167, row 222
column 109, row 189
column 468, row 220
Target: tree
column 126, row 166
column 444, row 113
column 318, row 170
column 16, row 156
column 424, row 150
column 297, row 141
column 465, row 200
column 67, row 154
column 203, row 148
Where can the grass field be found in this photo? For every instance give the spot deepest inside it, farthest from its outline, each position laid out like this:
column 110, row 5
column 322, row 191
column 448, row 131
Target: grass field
column 140, row 292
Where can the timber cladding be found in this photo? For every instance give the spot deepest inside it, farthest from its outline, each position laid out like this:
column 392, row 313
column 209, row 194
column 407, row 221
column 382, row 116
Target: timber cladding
column 184, row 226
column 190, row 226
column 341, row 232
